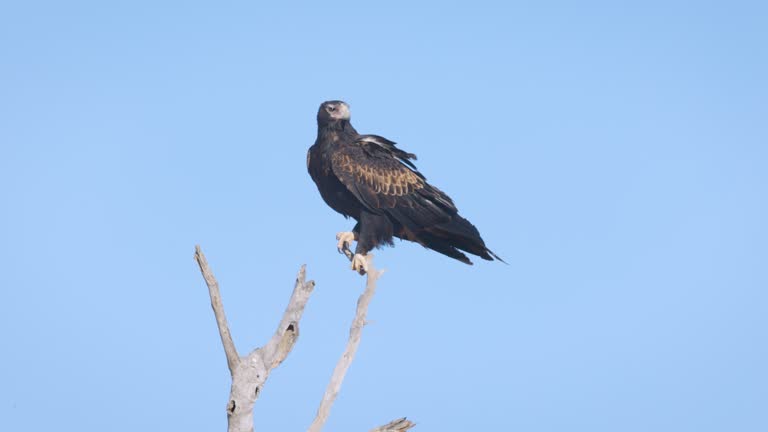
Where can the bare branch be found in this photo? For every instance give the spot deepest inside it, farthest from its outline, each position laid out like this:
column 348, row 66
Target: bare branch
column 399, row 425
column 251, row 372
column 287, row 332
column 233, row 359
column 355, row 332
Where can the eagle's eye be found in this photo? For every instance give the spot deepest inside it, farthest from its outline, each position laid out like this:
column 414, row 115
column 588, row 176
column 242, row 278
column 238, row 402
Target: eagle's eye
column 331, row 108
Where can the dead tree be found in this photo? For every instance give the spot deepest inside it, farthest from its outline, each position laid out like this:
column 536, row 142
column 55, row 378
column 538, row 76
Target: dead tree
column 249, row 373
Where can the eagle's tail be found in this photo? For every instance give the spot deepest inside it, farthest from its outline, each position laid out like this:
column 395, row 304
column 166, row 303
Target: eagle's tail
column 441, row 245
column 458, row 234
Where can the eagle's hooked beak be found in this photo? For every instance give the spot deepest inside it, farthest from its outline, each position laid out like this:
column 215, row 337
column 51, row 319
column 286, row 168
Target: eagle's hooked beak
column 343, row 111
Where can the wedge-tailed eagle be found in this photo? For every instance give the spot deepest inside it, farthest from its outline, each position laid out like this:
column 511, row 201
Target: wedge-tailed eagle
column 366, row 177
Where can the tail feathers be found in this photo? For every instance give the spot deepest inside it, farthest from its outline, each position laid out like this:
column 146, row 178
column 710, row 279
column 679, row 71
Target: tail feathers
column 496, row 257
column 459, row 233
column 441, row 245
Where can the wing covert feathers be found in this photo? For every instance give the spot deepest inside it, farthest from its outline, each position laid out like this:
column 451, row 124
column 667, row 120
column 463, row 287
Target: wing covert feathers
column 383, row 178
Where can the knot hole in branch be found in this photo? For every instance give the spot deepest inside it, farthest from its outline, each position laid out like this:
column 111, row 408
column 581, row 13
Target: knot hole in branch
column 286, row 343
column 231, row 407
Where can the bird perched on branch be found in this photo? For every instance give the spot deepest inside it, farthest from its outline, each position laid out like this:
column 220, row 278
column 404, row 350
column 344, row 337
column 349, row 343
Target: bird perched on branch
column 368, row 178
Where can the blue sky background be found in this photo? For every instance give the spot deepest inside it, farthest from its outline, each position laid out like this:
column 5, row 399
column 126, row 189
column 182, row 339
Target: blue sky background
column 615, row 155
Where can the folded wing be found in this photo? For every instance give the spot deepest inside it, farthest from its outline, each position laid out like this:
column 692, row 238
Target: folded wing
column 386, row 182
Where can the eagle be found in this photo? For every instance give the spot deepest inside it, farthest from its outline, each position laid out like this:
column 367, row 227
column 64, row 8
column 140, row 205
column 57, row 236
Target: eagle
column 368, row 178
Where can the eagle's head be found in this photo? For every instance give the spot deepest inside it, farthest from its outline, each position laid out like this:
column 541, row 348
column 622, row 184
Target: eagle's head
column 332, row 112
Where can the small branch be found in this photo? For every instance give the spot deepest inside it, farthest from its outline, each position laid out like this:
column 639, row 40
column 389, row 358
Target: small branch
column 233, row 359
column 277, row 349
column 399, row 425
column 345, row 361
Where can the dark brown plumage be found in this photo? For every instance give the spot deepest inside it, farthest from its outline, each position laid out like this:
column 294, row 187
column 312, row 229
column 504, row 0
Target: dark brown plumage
column 368, row 178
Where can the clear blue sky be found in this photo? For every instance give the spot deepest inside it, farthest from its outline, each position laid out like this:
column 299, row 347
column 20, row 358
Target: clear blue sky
column 615, row 156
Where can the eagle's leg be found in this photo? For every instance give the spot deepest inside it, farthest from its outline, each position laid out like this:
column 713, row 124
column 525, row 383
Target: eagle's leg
column 344, row 239
column 373, row 230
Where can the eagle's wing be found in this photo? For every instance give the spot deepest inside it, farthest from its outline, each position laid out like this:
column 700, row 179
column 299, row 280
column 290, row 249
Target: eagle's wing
column 384, row 180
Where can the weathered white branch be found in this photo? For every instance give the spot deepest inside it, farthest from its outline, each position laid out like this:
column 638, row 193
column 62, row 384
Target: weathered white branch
column 355, row 332
column 251, row 372
column 399, row 425
column 218, row 310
